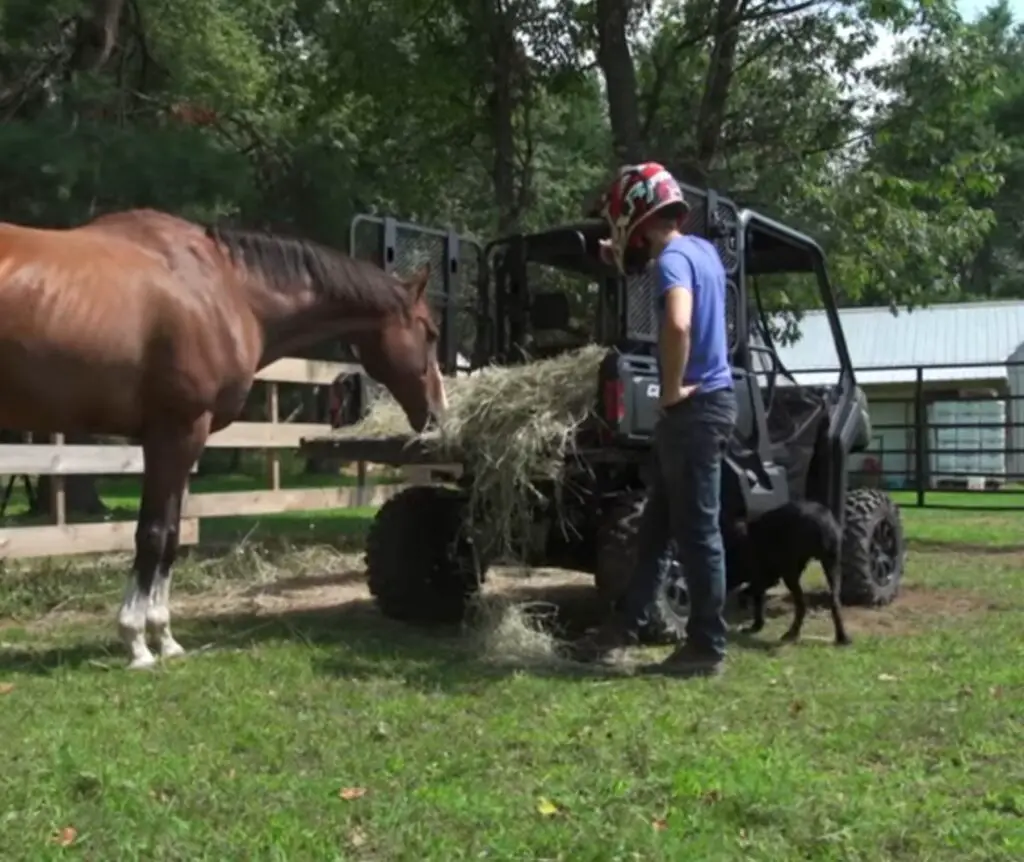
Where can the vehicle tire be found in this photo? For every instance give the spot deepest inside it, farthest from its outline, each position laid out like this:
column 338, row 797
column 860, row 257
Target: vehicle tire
column 616, row 560
column 873, row 549
column 422, row 566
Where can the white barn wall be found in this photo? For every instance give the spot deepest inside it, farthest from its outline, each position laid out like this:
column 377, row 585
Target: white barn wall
column 892, row 446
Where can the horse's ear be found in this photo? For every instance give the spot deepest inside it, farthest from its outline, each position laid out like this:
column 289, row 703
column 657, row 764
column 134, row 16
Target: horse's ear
column 417, row 282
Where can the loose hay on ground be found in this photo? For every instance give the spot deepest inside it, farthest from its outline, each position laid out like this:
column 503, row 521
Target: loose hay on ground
column 511, row 428
column 516, row 634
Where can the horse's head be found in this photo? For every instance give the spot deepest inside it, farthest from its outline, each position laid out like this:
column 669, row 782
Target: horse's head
column 402, row 355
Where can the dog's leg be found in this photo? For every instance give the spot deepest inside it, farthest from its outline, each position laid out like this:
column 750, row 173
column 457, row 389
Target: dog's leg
column 842, row 638
column 757, row 599
column 799, row 608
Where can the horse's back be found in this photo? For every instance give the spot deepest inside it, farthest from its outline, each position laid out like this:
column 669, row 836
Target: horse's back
column 95, row 319
column 118, row 260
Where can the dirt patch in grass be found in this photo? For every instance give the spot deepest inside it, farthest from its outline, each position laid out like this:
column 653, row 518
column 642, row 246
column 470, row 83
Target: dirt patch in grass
column 917, row 608
column 568, row 599
column 919, row 604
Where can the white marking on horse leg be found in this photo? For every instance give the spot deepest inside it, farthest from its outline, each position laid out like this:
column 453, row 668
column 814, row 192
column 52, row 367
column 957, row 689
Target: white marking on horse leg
column 131, row 623
column 158, row 618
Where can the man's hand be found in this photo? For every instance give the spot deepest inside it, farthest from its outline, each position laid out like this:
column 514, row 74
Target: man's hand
column 672, row 395
column 604, row 250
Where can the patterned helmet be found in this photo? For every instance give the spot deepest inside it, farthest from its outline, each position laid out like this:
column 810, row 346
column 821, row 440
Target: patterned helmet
column 638, row 192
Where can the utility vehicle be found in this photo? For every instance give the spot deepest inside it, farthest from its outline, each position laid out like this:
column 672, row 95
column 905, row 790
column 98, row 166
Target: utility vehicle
column 528, row 296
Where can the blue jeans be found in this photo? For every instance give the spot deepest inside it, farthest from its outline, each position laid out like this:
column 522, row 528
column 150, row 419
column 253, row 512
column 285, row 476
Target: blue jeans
column 682, row 516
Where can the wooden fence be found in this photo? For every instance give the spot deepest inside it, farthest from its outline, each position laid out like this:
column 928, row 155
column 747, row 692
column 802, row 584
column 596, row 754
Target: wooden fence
column 59, row 460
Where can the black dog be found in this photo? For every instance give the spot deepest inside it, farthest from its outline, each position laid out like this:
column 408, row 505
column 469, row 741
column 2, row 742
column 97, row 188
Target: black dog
column 778, row 546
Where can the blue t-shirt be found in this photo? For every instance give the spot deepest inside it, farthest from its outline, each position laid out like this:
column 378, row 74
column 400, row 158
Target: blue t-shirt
column 692, row 263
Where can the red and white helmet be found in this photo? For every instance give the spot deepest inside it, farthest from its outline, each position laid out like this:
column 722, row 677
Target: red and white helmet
column 639, row 192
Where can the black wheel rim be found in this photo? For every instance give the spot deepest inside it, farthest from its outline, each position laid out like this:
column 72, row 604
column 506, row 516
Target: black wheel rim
column 884, row 553
column 676, row 596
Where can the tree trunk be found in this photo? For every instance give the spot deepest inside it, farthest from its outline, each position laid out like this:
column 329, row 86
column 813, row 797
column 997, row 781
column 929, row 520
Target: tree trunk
column 96, row 36
column 616, row 61
column 318, row 412
column 718, row 82
column 80, row 492
column 503, row 58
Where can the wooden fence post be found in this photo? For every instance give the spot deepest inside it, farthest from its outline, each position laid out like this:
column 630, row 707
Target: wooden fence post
column 361, row 483
column 273, row 458
column 58, row 495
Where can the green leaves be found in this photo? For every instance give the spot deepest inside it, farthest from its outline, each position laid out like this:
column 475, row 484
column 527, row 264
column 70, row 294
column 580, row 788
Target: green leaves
column 906, row 163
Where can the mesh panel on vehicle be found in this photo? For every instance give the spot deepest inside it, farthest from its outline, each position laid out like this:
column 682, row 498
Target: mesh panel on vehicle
column 368, row 241
column 732, row 298
column 641, row 311
column 415, row 246
column 641, row 314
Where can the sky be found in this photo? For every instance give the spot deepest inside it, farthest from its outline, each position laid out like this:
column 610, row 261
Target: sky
column 970, row 9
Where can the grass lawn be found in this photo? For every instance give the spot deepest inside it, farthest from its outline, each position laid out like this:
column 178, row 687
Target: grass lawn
column 331, row 734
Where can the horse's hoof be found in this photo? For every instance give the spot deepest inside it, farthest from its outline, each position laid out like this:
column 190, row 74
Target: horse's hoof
column 790, row 638
column 171, row 649
column 143, row 662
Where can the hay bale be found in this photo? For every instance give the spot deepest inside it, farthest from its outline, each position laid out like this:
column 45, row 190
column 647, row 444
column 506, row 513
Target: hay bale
column 511, row 427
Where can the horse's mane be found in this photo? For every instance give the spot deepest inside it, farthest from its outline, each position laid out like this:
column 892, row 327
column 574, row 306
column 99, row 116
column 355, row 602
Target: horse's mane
column 287, row 262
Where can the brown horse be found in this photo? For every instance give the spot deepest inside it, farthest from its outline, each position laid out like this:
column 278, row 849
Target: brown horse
column 144, row 325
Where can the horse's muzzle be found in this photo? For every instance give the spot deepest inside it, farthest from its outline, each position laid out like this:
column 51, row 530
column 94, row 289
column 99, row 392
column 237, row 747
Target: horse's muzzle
column 434, row 418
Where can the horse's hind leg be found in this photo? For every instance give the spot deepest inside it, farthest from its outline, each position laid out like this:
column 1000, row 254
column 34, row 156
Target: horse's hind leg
column 168, row 458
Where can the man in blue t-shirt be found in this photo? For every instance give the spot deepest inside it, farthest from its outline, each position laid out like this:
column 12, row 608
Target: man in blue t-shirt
column 645, row 208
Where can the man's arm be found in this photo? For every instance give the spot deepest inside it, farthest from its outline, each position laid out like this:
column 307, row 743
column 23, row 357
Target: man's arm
column 675, row 277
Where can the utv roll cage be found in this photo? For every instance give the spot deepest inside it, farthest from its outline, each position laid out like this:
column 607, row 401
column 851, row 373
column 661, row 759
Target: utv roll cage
column 760, row 246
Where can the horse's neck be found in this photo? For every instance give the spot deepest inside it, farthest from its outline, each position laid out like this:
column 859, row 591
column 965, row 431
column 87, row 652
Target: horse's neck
column 295, row 323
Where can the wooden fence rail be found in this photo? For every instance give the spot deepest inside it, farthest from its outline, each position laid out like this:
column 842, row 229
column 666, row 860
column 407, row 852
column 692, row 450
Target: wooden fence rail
column 58, row 460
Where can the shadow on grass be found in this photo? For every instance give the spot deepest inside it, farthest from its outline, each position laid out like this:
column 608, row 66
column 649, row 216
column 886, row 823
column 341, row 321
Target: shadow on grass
column 352, row 640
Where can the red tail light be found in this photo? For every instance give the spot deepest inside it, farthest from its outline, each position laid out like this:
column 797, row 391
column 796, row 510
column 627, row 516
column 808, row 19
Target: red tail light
column 614, row 401
column 333, row 408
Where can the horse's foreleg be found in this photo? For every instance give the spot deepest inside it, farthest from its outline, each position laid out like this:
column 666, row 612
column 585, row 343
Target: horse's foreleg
column 158, row 613
column 149, row 540
column 168, row 458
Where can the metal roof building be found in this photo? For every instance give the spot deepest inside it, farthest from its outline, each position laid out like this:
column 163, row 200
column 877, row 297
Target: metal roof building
column 988, row 334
